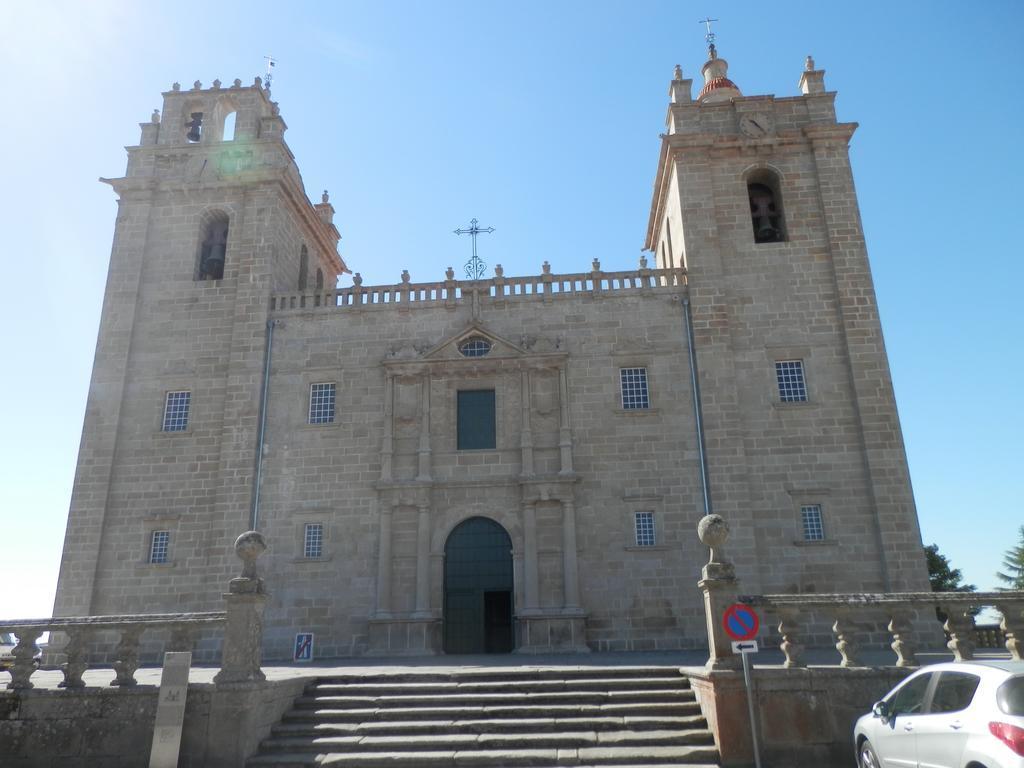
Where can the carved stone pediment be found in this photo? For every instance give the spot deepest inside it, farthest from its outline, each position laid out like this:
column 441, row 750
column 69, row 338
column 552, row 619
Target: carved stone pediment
column 475, row 347
column 449, row 348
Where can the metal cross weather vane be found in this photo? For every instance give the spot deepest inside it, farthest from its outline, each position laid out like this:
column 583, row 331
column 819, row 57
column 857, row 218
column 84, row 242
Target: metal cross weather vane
column 709, row 38
column 271, row 63
column 475, row 266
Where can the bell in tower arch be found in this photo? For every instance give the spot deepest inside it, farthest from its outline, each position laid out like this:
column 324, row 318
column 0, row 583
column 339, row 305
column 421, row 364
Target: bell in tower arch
column 764, row 214
column 213, row 251
column 195, row 127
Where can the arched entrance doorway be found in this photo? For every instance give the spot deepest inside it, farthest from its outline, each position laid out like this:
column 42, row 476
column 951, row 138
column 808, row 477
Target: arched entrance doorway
column 478, row 588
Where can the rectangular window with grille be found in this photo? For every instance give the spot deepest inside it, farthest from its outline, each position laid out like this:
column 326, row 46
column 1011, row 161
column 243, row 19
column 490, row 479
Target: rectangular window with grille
column 313, row 540
column 321, row 403
column 176, row 407
column 633, row 383
column 159, row 546
column 790, row 376
column 476, row 422
column 814, row 528
column 644, row 525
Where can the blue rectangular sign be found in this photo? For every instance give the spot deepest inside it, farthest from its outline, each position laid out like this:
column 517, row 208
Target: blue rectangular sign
column 304, row 646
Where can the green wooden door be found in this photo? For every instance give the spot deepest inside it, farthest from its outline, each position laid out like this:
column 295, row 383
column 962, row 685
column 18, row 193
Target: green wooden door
column 478, row 588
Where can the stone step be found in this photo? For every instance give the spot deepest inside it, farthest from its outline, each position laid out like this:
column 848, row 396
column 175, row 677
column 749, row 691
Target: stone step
column 703, row 755
column 313, row 728
column 490, row 686
column 486, row 741
column 492, row 699
column 622, row 709
column 502, row 674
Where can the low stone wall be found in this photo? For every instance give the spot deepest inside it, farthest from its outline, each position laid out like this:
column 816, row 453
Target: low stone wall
column 113, row 727
column 806, row 715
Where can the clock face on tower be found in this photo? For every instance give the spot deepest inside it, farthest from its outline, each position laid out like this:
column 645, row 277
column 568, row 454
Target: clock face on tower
column 757, row 125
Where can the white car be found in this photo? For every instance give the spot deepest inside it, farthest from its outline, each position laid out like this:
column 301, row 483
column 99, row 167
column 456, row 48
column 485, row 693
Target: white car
column 955, row 715
column 7, row 643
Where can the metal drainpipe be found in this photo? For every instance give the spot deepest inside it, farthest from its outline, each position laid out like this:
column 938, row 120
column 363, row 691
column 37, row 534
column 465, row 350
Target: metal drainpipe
column 254, row 518
column 697, row 409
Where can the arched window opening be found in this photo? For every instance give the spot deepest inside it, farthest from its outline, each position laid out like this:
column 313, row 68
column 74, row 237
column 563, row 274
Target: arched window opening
column 229, row 126
column 766, row 208
column 303, row 268
column 319, row 279
column 213, row 248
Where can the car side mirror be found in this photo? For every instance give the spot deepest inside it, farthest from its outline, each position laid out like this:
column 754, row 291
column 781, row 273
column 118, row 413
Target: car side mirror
column 881, row 710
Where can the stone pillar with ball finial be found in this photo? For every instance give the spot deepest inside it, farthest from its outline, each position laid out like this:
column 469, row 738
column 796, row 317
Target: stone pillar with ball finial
column 243, row 630
column 720, row 588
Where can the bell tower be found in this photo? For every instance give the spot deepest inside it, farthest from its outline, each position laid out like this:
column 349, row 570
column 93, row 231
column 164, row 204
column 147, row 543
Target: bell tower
column 212, row 219
column 754, row 195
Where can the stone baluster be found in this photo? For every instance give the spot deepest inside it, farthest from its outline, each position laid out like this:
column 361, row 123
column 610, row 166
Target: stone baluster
column 183, row 637
column 844, row 629
column 127, row 656
column 960, row 628
column 77, row 651
column 789, row 628
column 899, row 628
column 243, row 630
column 1012, row 625
column 24, row 658
column 720, row 588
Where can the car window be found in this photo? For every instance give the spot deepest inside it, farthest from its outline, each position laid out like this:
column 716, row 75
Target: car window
column 910, row 698
column 1010, row 696
column 7, row 639
column 953, row 692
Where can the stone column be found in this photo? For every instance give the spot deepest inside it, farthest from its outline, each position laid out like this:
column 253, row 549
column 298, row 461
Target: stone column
column 570, row 576
column 530, row 594
column 424, row 451
column 564, row 431
column 243, row 631
column 384, row 563
column 423, row 562
column 387, row 450
column 526, row 441
column 720, row 588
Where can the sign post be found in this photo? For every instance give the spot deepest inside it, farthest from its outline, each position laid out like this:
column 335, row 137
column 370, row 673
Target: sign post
column 741, row 624
column 170, row 710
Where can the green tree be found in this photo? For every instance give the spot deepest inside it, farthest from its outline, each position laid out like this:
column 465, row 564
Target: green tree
column 942, row 576
column 1013, row 562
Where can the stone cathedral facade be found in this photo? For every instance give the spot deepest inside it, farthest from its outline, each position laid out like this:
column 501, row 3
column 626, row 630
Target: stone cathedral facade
column 500, row 464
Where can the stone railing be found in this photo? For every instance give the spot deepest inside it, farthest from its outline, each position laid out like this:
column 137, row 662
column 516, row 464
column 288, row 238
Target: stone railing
column 241, row 649
column 848, row 613
column 498, row 288
column 81, row 631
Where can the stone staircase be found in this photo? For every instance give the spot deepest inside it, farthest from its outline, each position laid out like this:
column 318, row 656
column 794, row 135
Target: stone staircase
column 495, row 716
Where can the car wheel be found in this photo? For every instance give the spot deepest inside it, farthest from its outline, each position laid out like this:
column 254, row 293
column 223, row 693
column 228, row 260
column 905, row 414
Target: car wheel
column 866, row 757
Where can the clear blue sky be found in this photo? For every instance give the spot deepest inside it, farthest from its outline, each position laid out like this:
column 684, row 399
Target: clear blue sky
column 542, row 120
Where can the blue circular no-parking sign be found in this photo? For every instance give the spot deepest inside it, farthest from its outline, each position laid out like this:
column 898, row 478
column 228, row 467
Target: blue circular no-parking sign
column 740, row 622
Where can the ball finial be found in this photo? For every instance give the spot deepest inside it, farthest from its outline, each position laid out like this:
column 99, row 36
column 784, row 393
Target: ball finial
column 713, row 531
column 249, row 546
